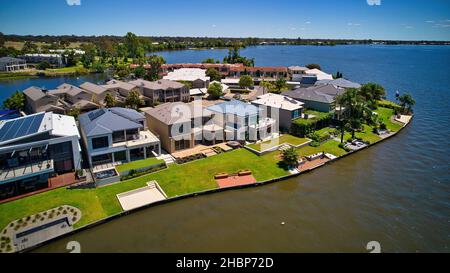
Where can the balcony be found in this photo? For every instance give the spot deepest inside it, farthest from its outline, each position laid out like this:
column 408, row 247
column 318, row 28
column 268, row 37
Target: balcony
column 142, row 138
column 28, row 170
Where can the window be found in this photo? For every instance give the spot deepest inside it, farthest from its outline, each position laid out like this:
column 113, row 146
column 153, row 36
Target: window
column 295, row 114
column 118, row 136
column 120, row 156
column 100, row 142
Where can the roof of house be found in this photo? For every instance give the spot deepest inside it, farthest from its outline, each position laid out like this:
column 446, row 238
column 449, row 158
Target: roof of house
column 198, row 91
column 177, row 112
column 298, row 68
column 68, row 89
column 23, row 127
column 119, row 84
column 10, row 60
column 35, row 93
column 163, row 84
column 93, row 88
column 278, row 101
column 341, row 82
column 235, row 107
column 187, row 74
column 309, row 95
column 328, row 89
column 105, row 121
column 320, row 74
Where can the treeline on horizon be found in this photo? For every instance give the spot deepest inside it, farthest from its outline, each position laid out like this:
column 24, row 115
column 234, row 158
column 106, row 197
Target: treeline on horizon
column 155, row 43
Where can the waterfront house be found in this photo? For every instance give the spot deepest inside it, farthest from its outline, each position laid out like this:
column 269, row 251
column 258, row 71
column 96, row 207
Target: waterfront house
column 195, row 76
column 33, row 149
column 318, row 98
column 296, row 72
column 281, row 108
column 117, row 135
column 40, row 100
column 161, row 91
column 98, row 92
column 182, row 126
column 9, row 64
column 242, row 121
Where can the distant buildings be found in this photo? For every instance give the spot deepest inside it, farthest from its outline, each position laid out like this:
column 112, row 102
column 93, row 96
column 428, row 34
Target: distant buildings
column 195, row 76
column 117, row 135
column 55, row 60
column 9, row 64
column 35, row 148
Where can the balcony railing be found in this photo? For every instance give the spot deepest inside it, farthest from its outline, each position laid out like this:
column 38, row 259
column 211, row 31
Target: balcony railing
column 45, row 166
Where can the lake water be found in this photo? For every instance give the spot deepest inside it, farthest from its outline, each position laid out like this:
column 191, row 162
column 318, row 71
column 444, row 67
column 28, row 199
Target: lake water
column 396, row 193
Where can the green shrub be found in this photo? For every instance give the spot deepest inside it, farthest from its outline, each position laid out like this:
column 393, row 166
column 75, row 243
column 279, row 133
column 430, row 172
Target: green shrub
column 314, row 144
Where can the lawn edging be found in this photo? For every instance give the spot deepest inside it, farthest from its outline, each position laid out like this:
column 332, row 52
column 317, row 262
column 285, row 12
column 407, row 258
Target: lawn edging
column 205, row 192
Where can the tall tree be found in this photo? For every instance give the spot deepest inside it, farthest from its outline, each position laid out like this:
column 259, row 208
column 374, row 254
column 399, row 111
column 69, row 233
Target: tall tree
column 290, row 157
column 15, row 102
column 372, row 93
column 133, row 100
column 110, row 100
column 155, row 62
column 246, row 81
column 280, row 84
column 406, row 102
column 213, row 74
column 215, row 90
column 354, row 111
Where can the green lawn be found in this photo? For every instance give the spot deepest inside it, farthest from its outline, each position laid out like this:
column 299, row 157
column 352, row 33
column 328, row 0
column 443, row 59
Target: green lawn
column 86, row 200
column 295, row 141
column 176, row 180
column 385, row 115
column 135, row 165
column 331, row 147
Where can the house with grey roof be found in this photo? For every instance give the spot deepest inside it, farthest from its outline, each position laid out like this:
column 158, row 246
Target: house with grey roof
column 318, row 98
column 341, row 83
column 117, row 135
column 9, row 64
column 120, row 87
column 74, row 97
column 41, row 100
column 162, row 91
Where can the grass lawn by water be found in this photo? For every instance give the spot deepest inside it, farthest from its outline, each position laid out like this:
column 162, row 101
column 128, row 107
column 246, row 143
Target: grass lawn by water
column 176, row 180
column 385, row 115
column 331, row 147
column 295, row 141
column 135, row 165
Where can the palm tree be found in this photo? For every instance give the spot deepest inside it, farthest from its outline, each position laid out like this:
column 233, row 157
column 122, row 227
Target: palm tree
column 372, row 92
column 354, row 110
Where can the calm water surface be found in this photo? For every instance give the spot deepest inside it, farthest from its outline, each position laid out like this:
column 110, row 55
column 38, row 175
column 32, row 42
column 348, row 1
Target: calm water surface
column 397, row 192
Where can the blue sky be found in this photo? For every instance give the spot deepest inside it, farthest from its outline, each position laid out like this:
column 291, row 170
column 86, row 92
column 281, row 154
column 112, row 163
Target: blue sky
column 392, row 19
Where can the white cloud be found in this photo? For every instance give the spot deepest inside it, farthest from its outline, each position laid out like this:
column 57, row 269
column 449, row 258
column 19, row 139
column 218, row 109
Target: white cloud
column 214, row 26
column 429, row 22
column 73, row 2
column 409, row 27
column 308, row 22
column 374, row 2
column 354, row 24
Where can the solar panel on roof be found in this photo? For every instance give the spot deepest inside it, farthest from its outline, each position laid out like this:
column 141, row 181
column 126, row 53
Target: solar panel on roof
column 21, row 127
column 96, row 114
